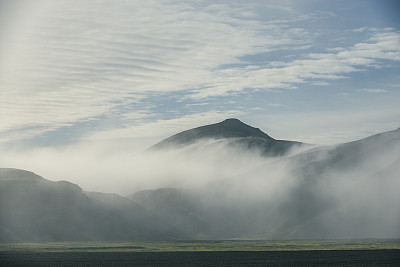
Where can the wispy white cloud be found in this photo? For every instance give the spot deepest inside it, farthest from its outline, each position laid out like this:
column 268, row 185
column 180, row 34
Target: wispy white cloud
column 274, row 105
column 82, row 60
column 329, row 127
column 362, row 29
column 369, row 90
column 314, row 68
column 197, row 104
column 87, row 60
column 159, row 129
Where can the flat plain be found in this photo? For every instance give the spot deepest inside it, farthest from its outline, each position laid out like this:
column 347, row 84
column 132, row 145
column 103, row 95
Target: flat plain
column 369, row 252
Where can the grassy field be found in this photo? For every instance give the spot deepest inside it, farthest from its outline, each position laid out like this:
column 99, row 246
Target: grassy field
column 189, row 246
column 204, row 253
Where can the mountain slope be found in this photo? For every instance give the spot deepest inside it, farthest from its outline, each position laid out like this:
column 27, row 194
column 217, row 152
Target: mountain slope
column 177, row 207
column 344, row 191
column 352, row 184
column 35, row 209
column 235, row 133
column 140, row 219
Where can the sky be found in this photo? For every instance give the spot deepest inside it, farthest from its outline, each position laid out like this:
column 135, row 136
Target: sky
column 122, row 75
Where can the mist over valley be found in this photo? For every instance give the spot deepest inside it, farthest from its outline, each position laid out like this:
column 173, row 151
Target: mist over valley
column 226, row 180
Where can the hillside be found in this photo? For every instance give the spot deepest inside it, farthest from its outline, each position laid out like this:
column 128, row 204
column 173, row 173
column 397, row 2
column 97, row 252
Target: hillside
column 234, row 133
column 326, row 192
column 35, row 209
column 345, row 191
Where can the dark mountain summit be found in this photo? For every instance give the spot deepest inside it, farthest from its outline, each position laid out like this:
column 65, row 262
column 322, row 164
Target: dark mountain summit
column 234, row 133
column 229, row 128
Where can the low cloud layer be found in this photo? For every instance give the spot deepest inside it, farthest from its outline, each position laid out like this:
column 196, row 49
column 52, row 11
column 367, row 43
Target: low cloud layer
column 342, row 191
column 86, row 87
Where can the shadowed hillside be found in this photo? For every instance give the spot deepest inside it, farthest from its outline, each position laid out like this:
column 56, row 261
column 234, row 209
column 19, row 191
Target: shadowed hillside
column 35, row 209
column 344, row 191
column 235, row 133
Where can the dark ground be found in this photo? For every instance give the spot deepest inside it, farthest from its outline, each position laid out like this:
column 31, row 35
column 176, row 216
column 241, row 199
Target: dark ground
column 385, row 257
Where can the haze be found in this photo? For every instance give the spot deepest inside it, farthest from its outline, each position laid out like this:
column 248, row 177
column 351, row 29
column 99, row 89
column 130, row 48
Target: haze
column 86, row 87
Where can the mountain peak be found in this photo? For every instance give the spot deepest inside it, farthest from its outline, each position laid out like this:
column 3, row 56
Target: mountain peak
column 229, row 128
column 233, row 127
column 232, row 121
